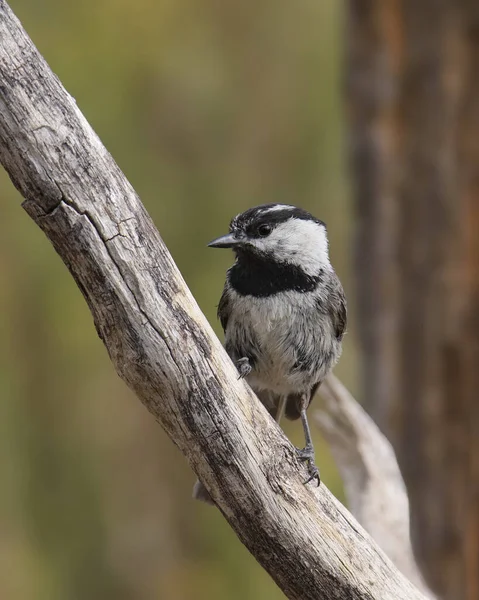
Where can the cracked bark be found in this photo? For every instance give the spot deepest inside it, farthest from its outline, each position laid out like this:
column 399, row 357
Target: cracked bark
column 163, row 347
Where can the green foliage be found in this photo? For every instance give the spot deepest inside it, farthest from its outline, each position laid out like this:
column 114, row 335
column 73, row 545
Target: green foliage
column 209, row 107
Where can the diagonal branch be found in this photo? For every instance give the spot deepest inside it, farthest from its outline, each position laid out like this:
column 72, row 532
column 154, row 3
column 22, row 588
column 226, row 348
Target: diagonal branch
column 163, row 347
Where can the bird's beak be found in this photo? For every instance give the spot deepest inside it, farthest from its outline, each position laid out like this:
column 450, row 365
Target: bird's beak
column 225, row 241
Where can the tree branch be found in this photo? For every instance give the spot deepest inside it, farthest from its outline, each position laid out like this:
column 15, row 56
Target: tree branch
column 373, row 484
column 163, row 347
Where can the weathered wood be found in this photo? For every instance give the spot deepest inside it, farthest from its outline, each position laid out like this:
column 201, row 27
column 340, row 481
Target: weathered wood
column 374, row 488
column 163, row 347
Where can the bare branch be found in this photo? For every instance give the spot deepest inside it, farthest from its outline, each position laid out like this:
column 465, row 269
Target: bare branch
column 163, row 347
column 373, row 483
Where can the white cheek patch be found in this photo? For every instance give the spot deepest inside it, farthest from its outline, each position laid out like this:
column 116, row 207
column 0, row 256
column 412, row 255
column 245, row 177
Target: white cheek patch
column 299, row 242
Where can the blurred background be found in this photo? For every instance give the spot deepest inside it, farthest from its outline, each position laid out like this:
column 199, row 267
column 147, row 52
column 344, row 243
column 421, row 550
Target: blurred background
column 365, row 113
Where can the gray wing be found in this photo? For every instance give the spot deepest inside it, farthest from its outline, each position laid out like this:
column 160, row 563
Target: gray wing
column 333, row 303
column 337, row 309
column 238, row 347
column 224, row 307
column 339, row 313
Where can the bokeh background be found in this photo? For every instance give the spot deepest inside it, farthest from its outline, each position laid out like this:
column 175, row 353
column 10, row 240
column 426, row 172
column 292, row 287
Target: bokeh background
column 364, row 112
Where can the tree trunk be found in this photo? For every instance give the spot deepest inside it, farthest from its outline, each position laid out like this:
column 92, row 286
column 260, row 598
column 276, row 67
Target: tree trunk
column 414, row 114
column 163, row 347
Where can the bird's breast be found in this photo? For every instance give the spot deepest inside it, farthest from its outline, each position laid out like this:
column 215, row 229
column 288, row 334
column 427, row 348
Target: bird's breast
column 289, row 343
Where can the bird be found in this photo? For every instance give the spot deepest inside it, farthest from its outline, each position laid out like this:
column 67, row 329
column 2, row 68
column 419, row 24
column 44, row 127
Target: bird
column 283, row 312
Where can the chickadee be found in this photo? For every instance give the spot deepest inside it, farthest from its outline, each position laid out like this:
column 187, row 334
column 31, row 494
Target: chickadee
column 283, row 312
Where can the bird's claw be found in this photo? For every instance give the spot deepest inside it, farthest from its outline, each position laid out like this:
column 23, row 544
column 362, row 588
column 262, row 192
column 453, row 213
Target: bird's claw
column 307, row 455
column 313, row 474
column 244, row 367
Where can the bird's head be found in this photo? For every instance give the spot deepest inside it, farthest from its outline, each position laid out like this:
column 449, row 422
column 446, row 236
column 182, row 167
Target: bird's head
column 281, row 233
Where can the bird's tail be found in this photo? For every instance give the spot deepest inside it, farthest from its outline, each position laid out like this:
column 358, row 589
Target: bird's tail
column 292, row 409
column 201, row 493
column 271, row 401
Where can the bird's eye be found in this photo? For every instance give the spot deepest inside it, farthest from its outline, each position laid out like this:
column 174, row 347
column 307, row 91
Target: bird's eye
column 264, row 230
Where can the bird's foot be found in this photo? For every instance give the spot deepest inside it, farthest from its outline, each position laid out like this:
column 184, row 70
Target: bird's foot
column 313, row 474
column 307, row 455
column 244, row 367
